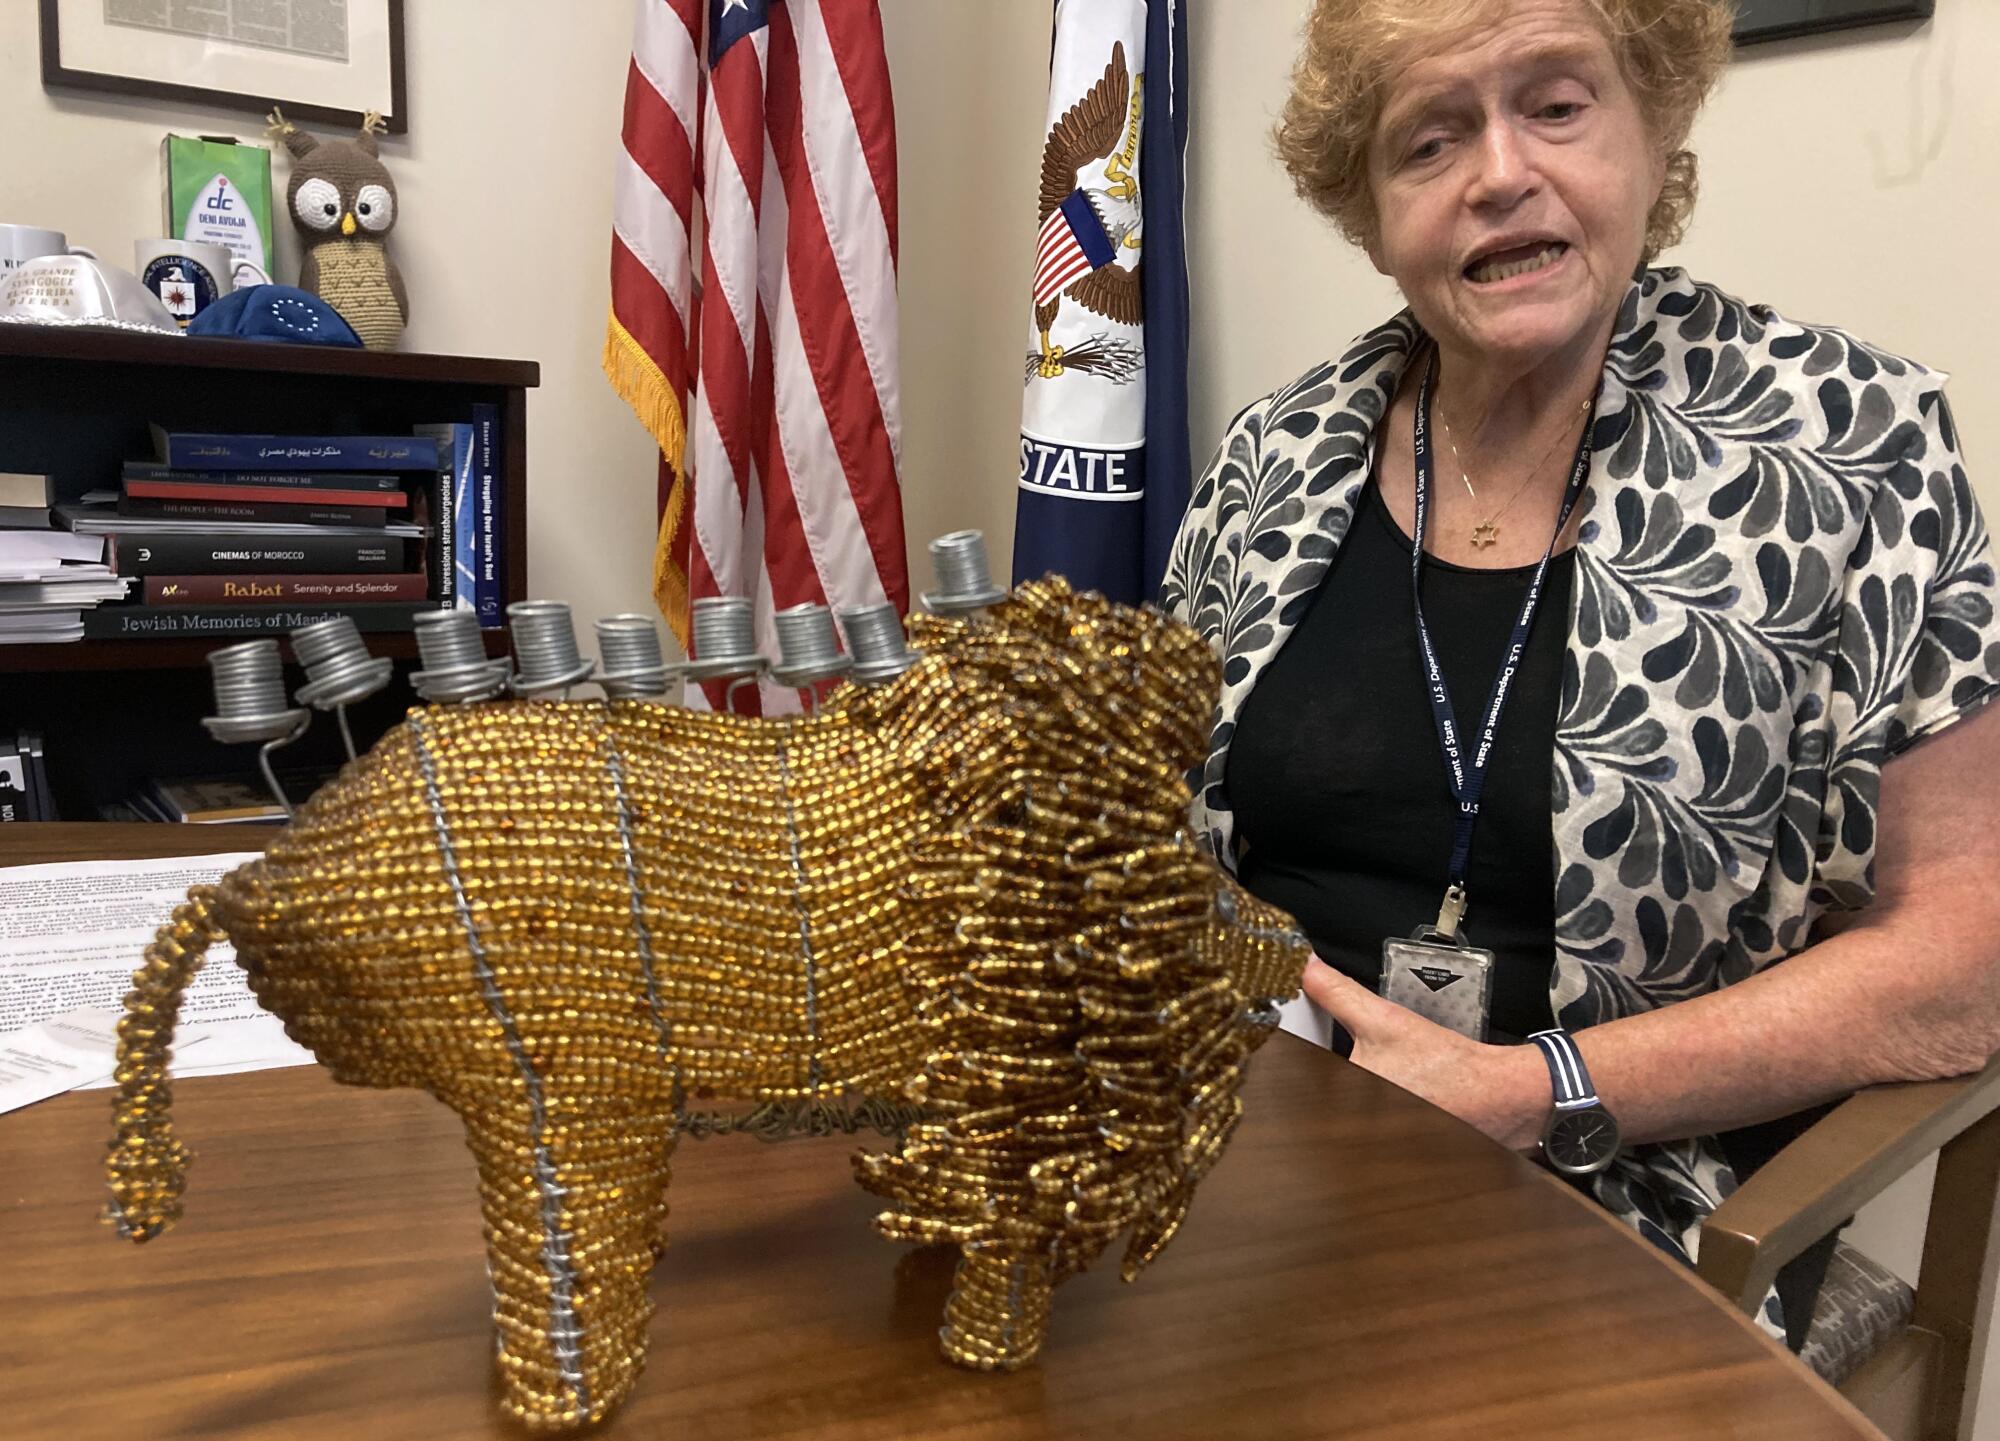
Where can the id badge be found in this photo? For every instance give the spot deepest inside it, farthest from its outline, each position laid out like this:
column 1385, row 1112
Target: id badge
column 1440, row 980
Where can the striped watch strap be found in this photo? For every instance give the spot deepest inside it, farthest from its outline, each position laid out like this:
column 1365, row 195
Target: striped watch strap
column 1566, row 1069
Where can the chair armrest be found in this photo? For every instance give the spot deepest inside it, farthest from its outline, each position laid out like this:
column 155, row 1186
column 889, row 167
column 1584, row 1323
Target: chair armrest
column 1826, row 1175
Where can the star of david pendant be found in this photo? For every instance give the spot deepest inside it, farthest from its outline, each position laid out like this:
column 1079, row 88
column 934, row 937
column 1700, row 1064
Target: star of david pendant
column 1485, row 533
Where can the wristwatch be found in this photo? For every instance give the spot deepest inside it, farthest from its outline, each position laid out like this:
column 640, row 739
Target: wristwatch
column 1581, row 1137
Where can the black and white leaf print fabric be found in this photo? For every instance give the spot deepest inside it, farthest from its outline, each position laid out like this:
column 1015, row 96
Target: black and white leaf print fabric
column 1782, row 580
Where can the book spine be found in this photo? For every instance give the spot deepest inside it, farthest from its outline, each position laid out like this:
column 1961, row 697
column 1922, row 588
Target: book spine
column 254, row 512
column 443, row 551
column 443, row 513
column 15, row 802
column 282, row 589
column 264, row 480
column 300, row 495
column 255, row 555
column 38, row 777
column 296, row 452
column 112, row 622
column 490, row 593
column 464, row 517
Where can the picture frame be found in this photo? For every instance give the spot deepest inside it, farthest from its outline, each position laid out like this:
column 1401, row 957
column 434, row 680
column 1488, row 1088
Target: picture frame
column 329, row 61
column 1760, row 20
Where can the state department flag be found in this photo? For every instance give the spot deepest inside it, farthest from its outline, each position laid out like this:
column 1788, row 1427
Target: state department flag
column 1104, row 447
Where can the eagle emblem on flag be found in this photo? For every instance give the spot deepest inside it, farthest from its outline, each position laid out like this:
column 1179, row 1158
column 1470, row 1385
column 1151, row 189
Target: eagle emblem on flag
column 1088, row 247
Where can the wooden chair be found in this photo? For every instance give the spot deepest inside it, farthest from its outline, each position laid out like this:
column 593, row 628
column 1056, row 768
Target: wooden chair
column 1920, row 1383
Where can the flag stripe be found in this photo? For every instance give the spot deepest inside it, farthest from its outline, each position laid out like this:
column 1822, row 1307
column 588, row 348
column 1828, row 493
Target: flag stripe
column 800, row 444
column 736, row 135
column 829, row 515
column 854, row 36
column 665, row 45
column 843, row 183
column 653, row 231
column 829, row 339
column 658, row 143
column 794, row 570
column 729, row 289
column 646, row 311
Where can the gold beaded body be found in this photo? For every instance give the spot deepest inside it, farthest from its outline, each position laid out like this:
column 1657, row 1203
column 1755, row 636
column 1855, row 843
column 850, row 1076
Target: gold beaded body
column 963, row 906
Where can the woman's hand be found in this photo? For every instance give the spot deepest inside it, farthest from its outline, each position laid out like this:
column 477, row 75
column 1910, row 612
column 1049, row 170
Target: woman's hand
column 1502, row 1090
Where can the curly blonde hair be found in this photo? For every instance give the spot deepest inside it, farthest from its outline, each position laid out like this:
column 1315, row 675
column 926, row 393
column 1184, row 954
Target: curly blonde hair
column 1670, row 51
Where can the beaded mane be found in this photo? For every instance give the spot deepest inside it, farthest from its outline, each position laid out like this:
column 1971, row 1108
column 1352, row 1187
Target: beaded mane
column 962, row 908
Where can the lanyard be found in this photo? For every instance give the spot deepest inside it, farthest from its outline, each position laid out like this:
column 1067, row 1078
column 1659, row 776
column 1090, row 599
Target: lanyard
column 1467, row 774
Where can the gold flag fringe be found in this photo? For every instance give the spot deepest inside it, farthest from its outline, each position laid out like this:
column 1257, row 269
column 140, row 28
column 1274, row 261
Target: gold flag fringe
column 642, row 385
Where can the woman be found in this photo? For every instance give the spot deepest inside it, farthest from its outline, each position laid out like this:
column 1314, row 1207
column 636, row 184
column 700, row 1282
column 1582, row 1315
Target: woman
column 1728, row 565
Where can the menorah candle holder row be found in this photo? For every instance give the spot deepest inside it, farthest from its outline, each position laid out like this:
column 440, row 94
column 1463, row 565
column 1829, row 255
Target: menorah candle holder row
column 250, row 703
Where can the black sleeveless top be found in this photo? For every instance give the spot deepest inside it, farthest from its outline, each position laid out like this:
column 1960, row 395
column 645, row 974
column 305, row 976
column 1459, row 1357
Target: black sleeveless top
column 1345, row 816
column 1338, row 781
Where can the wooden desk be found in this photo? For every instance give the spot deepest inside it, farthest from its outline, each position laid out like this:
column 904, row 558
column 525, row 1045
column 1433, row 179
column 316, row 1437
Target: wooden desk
column 1359, row 1265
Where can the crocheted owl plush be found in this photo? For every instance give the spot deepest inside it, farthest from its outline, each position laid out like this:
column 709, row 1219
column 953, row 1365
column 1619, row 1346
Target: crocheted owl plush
column 343, row 203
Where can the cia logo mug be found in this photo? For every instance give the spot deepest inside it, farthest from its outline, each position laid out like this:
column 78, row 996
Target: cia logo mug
column 191, row 275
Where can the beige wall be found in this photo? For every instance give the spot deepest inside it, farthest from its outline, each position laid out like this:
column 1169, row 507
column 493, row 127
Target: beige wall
column 503, row 235
column 968, row 115
column 1852, row 180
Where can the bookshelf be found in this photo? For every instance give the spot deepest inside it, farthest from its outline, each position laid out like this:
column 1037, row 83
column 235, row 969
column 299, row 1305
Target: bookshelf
column 75, row 403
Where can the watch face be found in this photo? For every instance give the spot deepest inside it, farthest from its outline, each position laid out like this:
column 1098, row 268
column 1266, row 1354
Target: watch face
column 1581, row 1142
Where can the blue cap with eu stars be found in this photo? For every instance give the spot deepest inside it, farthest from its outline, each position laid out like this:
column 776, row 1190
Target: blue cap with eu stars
column 274, row 312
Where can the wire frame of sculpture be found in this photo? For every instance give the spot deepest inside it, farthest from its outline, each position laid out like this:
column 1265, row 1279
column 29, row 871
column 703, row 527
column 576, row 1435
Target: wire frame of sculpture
column 966, row 900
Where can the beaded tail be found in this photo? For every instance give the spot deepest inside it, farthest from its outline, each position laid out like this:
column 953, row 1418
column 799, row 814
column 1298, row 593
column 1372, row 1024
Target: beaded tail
column 146, row 1166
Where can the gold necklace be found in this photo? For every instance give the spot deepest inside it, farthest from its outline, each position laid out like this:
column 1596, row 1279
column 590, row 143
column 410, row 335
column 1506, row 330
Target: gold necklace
column 1487, row 531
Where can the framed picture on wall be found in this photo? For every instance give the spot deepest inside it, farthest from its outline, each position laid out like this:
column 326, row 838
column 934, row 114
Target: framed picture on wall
column 330, row 61
column 1778, row 19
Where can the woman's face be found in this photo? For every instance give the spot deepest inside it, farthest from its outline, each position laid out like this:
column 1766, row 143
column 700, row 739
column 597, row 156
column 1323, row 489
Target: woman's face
column 1512, row 173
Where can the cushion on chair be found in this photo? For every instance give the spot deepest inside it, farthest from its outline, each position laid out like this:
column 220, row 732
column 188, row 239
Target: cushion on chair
column 1862, row 1303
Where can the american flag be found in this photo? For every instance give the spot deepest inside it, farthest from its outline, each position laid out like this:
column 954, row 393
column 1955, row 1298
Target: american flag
column 772, row 385
column 1072, row 243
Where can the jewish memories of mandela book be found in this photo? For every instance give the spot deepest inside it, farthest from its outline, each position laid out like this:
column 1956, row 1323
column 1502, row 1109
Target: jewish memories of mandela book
column 131, row 622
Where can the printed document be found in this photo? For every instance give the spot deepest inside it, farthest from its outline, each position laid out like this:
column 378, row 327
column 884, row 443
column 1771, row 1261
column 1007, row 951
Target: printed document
column 72, row 934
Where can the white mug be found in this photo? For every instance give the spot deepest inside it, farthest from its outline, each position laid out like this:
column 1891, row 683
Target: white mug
column 22, row 243
column 191, row 275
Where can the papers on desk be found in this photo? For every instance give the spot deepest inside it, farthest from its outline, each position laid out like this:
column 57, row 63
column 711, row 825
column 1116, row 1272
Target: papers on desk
column 71, row 934
column 54, row 1057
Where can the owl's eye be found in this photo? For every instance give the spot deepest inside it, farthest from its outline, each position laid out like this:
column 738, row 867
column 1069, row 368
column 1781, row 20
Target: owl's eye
column 375, row 207
column 318, row 204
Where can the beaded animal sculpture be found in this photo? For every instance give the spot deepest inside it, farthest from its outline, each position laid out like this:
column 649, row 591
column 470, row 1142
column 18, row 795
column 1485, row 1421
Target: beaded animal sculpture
column 964, row 902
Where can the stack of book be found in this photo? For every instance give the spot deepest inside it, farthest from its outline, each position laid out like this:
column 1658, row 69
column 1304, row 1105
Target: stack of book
column 260, row 534
column 214, row 800
column 47, row 579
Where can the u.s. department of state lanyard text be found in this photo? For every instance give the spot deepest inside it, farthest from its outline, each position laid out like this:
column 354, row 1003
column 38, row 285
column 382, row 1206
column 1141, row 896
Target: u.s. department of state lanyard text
column 1467, row 773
